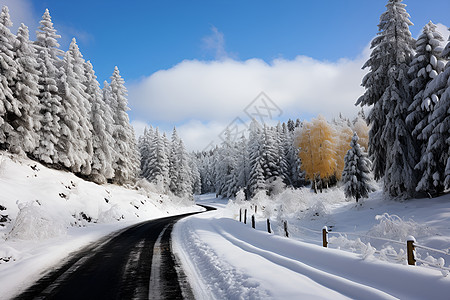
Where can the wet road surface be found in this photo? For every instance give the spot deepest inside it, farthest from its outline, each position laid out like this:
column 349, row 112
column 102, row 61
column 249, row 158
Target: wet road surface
column 134, row 263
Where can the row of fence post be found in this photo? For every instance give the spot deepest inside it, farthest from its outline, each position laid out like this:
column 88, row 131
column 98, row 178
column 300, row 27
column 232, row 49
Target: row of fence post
column 269, row 230
column 409, row 243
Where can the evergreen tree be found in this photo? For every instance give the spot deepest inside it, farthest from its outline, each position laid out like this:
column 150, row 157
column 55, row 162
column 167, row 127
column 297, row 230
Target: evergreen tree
column 144, row 143
column 126, row 162
column 185, row 184
column 226, row 166
column 50, row 102
column 387, row 88
column 269, row 156
column 174, row 163
column 25, row 136
column 257, row 180
column 356, row 174
column 102, row 122
column 9, row 105
column 243, row 165
column 435, row 163
column 158, row 162
column 281, row 136
column 75, row 142
column 195, row 175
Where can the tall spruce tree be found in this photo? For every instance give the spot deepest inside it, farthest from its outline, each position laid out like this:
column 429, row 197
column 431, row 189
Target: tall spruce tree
column 126, row 161
column 356, row 173
column 75, row 142
column 102, row 122
column 25, row 137
column 9, row 105
column 392, row 50
column 50, row 107
column 435, row 163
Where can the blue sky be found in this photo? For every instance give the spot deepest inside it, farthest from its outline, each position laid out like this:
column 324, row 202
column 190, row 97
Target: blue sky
column 219, row 39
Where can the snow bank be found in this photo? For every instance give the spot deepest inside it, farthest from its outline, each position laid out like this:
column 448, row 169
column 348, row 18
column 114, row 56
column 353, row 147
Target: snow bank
column 225, row 258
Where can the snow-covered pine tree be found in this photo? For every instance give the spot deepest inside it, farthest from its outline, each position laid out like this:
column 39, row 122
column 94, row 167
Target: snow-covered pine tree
column 269, row 156
column 206, row 162
column 144, row 143
column 400, row 178
column 48, row 53
column 257, row 179
column 343, row 138
column 75, row 142
column 225, row 166
column 158, row 162
column 356, row 173
column 167, row 149
column 427, row 64
column 388, row 62
column 9, row 105
column 293, row 160
column 195, row 175
column 102, row 123
column 435, row 163
column 184, row 188
column 232, row 180
column 243, row 165
column 174, row 162
column 25, row 137
column 126, row 162
column 281, row 134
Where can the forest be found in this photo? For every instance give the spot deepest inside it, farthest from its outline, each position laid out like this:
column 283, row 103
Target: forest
column 53, row 110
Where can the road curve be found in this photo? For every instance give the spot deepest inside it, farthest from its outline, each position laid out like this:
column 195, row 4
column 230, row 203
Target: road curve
column 134, row 263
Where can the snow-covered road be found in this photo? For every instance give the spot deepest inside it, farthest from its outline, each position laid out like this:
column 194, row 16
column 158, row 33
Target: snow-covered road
column 226, row 259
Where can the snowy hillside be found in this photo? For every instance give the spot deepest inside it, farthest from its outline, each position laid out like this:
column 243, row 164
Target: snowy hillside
column 45, row 214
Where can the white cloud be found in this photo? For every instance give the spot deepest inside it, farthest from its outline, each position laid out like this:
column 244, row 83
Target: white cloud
column 199, row 95
column 215, row 42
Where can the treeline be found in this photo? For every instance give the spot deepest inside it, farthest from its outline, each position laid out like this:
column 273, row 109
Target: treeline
column 53, row 109
column 408, row 88
column 167, row 165
column 274, row 157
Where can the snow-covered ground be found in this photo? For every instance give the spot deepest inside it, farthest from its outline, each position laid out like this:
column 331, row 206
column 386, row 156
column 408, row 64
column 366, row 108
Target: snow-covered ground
column 45, row 214
column 226, row 259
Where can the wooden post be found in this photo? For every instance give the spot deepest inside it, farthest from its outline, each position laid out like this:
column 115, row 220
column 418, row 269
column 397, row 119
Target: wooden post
column 410, row 240
column 245, row 216
column 285, row 229
column 253, row 221
column 256, row 208
column 240, row 214
column 268, row 226
column 324, row 236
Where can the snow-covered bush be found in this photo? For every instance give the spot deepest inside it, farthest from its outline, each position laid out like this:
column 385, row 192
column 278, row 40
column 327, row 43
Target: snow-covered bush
column 394, row 227
column 34, row 223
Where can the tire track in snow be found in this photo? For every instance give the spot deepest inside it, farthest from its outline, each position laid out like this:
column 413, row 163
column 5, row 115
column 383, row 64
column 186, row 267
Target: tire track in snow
column 342, row 285
column 223, row 280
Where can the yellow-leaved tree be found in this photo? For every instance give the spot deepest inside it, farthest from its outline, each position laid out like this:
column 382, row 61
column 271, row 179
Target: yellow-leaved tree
column 316, row 142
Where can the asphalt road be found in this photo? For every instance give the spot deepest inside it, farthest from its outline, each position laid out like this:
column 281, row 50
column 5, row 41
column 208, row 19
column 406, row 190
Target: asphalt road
column 134, row 263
